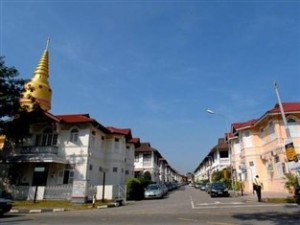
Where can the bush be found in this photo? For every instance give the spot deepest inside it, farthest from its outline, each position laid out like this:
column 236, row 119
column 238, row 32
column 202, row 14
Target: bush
column 291, row 183
column 135, row 189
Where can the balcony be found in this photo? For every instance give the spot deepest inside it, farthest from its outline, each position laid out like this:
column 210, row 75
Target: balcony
column 36, row 150
column 34, row 154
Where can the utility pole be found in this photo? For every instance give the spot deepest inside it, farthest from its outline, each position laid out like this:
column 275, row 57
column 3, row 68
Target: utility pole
column 289, row 145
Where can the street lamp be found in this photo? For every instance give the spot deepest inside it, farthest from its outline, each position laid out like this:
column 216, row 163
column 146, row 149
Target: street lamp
column 229, row 147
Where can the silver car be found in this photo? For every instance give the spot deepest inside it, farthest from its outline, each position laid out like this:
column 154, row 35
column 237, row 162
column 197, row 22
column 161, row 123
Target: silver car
column 154, row 191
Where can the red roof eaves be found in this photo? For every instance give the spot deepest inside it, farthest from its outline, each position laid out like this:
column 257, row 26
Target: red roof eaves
column 75, row 118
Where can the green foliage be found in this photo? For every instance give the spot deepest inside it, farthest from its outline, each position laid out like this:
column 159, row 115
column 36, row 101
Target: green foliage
column 10, row 91
column 135, row 189
column 239, row 185
column 147, row 176
column 217, row 176
column 292, row 182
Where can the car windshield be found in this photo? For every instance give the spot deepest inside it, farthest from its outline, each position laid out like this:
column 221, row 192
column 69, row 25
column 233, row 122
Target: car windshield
column 152, row 187
column 218, row 185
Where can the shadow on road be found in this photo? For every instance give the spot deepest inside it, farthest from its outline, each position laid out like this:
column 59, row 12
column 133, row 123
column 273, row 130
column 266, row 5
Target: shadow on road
column 277, row 218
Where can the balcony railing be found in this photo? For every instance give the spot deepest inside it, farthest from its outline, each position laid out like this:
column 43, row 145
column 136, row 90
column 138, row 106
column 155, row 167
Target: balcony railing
column 37, row 150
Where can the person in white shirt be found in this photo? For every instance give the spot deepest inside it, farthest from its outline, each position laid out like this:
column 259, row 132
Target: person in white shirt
column 257, row 186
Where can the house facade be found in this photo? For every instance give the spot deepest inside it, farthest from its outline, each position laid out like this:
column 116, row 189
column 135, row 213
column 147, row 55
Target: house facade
column 73, row 153
column 258, row 148
column 148, row 159
column 217, row 159
column 67, row 149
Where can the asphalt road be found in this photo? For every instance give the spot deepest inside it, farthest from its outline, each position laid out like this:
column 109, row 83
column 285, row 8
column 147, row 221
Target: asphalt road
column 184, row 206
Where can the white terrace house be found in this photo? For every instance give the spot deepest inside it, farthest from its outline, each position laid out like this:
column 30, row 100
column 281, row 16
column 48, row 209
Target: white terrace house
column 147, row 159
column 72, row 156
column 150, row 159
column 216, row 160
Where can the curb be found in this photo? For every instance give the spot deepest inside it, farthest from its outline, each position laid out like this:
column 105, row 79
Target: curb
column 32, row 211
column 36, row 210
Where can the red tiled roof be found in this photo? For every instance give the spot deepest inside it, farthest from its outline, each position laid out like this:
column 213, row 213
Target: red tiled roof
column 248, row 123
column 145, row 147
column 135, row 141
column 75, row 118
column 124, row 131
column 287, row 107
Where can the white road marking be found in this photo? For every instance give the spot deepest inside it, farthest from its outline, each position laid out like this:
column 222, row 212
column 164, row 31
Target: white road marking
column 192, row 202
column 218, row 204
column 236, row 206
column 221, row 203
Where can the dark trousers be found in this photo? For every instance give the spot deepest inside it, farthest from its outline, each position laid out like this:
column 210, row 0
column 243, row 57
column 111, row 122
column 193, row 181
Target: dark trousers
column 258, row 193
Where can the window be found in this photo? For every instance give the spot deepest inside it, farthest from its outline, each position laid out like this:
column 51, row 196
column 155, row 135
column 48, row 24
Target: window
column 147, row 157
column 115, row 169
column 278, row 166
column 293, row 128
column 117, row 144
column 224, row 154
column 136, row 157
column 262, row 135
column 252, row 170
column 91, row 167
column 74, row 135
column 47, row 138
column 272, row 131
column 247, row 139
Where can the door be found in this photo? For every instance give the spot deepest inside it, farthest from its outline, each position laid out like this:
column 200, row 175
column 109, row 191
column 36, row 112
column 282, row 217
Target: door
column 40, row 175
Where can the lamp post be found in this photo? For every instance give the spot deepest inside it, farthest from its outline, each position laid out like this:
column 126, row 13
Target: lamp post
column 229, row 147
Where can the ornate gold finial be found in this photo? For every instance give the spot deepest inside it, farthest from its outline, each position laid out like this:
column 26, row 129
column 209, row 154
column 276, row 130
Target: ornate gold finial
column 47, row 44
column 37, row 92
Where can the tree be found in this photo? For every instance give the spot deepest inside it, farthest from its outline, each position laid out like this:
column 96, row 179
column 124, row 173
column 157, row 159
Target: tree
column 292, row 182
column 10, row 91
column 147, row 176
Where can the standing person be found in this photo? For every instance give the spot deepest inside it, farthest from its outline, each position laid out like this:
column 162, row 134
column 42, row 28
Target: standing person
column 257, row 186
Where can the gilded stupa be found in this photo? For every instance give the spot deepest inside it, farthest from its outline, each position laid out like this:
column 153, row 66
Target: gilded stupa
column 37, row 92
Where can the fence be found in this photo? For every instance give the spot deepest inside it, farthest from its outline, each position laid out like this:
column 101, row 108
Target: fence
column 64, row 192
column 58, row 192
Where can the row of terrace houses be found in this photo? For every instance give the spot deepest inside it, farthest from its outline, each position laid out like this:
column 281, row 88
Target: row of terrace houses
column 65, row 149
column 71, row 156
column 217, row 159
column 257, row 147
column 149, row 159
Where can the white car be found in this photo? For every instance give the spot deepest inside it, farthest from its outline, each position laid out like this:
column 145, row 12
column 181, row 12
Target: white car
column 154, row 191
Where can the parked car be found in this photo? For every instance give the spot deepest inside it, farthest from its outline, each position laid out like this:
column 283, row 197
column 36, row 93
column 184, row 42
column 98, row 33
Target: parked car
column 197, row 185
column 164, row 188
column 154, row 191
column 207, row 187
column 5, row 202
column 202, row 186
column 218, row 189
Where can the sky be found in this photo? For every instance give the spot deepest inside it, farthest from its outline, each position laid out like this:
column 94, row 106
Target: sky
column 157, row 66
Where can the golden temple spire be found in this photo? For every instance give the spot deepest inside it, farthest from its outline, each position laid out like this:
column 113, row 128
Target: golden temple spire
column 37, row 92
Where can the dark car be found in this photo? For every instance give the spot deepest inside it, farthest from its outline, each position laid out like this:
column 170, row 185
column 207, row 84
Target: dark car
column 218, row 189
column 5, row 202
column 5, row 205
